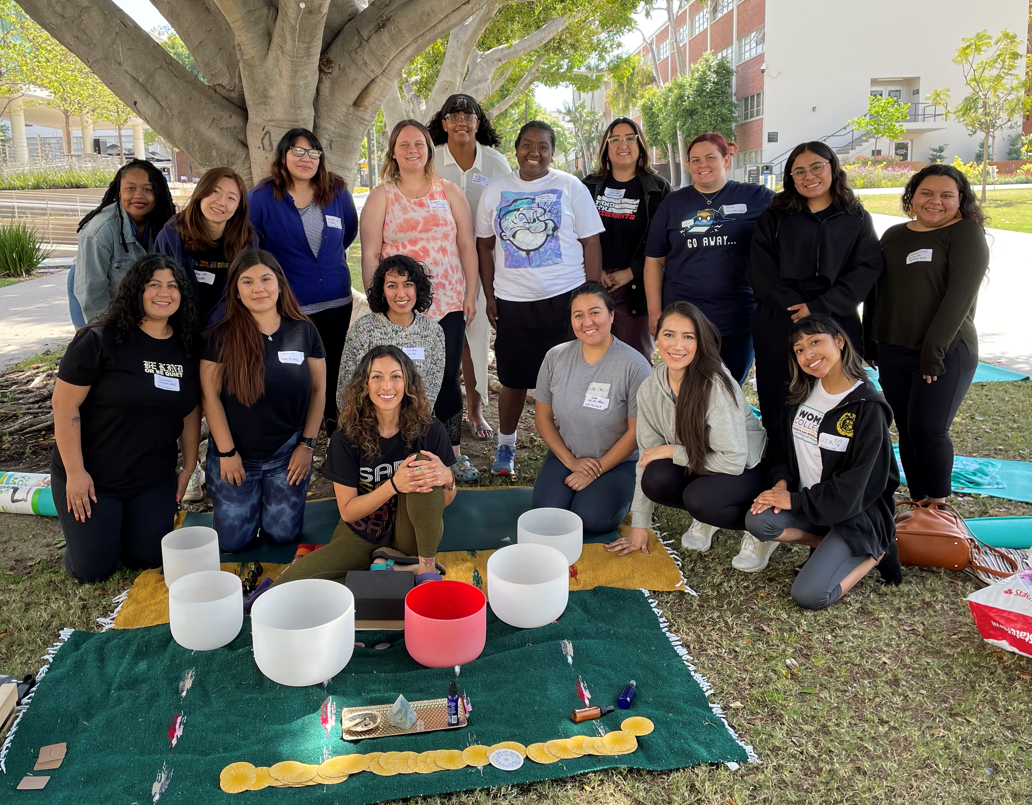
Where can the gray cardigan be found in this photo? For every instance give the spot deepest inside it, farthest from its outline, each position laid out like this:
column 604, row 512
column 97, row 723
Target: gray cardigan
column 102, row 260
column 736, row 437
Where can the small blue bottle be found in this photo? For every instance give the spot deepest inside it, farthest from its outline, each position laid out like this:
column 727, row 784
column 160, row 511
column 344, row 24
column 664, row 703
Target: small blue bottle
column 627, row 695
column 453, row 705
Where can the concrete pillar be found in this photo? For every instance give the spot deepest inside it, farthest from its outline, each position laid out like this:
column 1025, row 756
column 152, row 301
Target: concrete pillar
column 138, row 146
column 20, row 143
column 87, row 136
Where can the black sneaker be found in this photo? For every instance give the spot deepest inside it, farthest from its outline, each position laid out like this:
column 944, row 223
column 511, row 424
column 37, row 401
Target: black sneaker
column 890, row 571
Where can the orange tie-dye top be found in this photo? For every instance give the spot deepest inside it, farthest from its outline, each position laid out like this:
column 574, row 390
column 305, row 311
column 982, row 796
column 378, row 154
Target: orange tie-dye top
column 424, row 229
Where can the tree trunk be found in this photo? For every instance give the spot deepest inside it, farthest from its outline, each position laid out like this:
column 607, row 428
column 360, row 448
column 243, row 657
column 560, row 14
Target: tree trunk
column 674, row 173
column 121, row 149
column 682, row 157
column 985, row 164
column 67, row 131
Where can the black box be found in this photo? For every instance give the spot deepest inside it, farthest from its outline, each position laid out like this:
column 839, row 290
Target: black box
column 379, row 597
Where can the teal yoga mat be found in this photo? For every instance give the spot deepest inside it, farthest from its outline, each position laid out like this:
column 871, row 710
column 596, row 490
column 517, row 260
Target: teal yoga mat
column 985, row 373
column 1011, row 480
column 478, row 519
column 1003, row 532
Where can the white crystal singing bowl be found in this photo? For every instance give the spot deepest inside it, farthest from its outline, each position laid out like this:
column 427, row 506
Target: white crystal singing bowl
column 303, row 631
column 189, row 550
column 528, row 585
column 557, row 528
column 206, row 609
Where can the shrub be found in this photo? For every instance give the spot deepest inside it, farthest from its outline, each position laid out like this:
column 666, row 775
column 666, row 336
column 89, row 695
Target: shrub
column 21, row 250
column 55, row 178
column 866, row 175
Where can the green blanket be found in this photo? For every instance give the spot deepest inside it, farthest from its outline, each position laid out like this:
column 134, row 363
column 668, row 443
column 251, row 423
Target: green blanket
column 116, row 697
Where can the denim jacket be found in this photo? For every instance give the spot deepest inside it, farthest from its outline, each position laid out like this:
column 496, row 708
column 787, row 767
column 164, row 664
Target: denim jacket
column 102, row 259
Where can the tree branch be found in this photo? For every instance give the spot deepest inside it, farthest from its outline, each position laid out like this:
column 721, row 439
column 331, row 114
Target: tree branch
column 520, row 88
column 496, row 57
column 209, row 38
column 652, row 52
column 340, row 14
column 251, row 22
column 462, row 43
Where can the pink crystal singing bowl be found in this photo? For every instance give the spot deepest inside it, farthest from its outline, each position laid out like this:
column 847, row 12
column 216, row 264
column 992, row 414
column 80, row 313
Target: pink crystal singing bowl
column 445, row 623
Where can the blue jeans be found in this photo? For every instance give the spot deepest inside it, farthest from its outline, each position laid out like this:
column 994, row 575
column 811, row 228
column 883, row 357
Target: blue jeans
column 263, row 501
column 74, row 308
column 737, row 353
column 602, row 505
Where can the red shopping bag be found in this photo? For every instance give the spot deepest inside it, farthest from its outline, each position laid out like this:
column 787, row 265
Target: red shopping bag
column 1003, row 613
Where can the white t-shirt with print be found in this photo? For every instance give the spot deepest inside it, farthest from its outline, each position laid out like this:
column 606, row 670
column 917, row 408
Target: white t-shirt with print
column 805, row 427
column 537, row 227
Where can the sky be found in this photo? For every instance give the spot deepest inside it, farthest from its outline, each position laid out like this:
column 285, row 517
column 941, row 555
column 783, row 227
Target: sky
column 551, row 98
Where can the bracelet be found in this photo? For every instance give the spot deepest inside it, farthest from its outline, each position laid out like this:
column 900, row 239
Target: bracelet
column 391, row 479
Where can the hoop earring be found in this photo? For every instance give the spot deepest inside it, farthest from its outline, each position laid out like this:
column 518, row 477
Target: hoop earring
column 958, row 215
column 911, row 215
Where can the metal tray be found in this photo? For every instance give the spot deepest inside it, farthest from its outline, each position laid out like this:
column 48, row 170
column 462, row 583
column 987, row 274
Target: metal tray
column 432, row 715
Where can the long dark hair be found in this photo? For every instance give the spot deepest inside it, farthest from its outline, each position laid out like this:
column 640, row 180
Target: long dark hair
column 239, row 233
column 705, row 369
column 592, row 288
column 802, row 383
column 326, row 185
column 164, row 207
column 241, row 347
column 486, row 135
column 358, row 414
column 792, row 201
column 126, row 310
column 404, row 266
column 970, row 209
column 605, row 166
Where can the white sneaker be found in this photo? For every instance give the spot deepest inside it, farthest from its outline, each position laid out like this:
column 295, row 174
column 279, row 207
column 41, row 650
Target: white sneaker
column 698, row 537
column 754, row 555
column 194, row 491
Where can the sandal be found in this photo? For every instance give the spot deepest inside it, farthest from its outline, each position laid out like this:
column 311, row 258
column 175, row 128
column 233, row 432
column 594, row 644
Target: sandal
column 422, row 578
column 480, row 432
column 388, row 565
column 464, row 471
column 396, row 557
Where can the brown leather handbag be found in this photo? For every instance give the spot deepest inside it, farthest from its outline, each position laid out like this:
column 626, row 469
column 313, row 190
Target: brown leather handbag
column 935, row 535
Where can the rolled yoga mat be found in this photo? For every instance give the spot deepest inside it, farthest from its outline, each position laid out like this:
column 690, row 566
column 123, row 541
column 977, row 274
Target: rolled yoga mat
column 26, row 493
column 1003, row 532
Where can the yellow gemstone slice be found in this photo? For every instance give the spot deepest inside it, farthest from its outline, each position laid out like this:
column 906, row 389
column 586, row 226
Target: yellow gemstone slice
column 237, row 777
column 476, row 756
column 560, row 750
column 619, row 742
column 449, row 759
column 637, row 725
column 539, row 754
column 518, row 748
column 344, row 764
column 576, row 744
column 290, row 771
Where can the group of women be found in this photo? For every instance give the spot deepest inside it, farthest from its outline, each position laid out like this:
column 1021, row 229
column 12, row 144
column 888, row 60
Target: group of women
column 583, row 282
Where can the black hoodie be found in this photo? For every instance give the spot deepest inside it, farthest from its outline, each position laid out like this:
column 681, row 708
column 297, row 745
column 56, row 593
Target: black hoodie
column 859, row 476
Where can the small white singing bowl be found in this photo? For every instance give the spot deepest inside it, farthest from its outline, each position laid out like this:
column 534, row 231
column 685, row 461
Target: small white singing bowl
column 557, row 528
column 206, row 609
column 189, row 550
column 303, row 631
column 528, row 585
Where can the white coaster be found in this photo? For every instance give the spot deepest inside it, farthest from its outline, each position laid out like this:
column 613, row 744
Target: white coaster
column 506, row 759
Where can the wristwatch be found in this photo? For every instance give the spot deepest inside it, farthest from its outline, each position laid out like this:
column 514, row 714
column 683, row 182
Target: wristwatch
column 310, row 442
column 227, row 454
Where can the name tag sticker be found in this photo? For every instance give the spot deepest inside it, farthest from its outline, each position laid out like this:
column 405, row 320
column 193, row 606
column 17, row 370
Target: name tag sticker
column 438, row 204
column 205, row 276
column 598, row 403
column 292, row 357
column 837, row 444
column 734, row 209
column 599, row 389
column 479, row 178
column 920, row 256
column 416, row 353
column 689, row 223
column 166, row 383
column 615, row 192
column 334, row 221
column 546, row 198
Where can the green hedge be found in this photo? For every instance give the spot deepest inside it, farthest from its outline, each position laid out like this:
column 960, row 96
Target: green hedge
column 55, row 178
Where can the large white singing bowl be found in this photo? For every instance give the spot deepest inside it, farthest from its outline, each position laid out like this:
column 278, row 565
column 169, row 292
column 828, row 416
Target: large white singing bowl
column 206, row 609
column 528, row 585
column 189, row 550
column 557, row 528
column 303, row 631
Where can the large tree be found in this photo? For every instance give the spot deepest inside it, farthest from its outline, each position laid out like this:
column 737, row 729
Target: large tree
column 270, row 65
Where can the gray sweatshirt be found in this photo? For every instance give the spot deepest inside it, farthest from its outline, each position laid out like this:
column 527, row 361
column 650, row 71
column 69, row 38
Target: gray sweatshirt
column 736, row 437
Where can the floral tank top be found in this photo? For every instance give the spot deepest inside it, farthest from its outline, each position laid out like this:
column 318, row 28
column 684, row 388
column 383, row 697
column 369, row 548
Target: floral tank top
column 425, row 230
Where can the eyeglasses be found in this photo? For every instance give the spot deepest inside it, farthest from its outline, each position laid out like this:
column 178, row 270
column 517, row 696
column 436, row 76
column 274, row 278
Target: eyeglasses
column 817, row 168
column 630, row 139
column 313, row 153
column 458, row 117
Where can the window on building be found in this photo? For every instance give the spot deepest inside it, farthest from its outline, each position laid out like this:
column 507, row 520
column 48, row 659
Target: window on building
column 750, row 45
column 664, row 49
column 721, row 7
column 751, row 107
column 726, row 53
column 682, row 34
column 700, row 21
column 743, row 158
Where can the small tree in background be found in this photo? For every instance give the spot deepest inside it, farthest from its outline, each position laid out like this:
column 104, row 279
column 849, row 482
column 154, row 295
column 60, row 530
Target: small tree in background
column 704, row 100
column 630, row 78
column 884, row 118
column 937, row 154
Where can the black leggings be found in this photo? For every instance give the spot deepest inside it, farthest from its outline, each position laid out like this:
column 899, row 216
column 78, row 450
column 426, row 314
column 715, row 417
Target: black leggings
column 333, row 326
column 449, row 400
column 924, row 413
column 121, row 527
column 720, row 500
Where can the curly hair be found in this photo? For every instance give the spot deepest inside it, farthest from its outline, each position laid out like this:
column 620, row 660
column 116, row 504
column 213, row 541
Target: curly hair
column 325, row 184
column 605, row 167
column 358, row 419
column 403, row 266
column 970, row 209
column 126, row 310
column 792, row 201
column 486, row 134
column 820, row 323
column 164, row 206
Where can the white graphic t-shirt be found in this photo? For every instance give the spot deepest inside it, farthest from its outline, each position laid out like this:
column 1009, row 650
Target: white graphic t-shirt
column 805, row 427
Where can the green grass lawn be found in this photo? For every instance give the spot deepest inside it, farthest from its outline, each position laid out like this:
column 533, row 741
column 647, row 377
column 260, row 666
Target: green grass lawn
column 1005, row 209
column 5, row 281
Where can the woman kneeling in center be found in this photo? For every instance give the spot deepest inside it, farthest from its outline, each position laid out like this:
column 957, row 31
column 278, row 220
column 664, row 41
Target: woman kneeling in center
column 700, row 444
column 388, row 460
column 833, row 469
column 584, row 409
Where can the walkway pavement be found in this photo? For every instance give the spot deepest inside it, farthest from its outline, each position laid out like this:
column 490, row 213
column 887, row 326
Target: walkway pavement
column 34, row 317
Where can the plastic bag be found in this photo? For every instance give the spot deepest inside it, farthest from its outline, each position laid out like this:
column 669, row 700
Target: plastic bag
column 1003, row 613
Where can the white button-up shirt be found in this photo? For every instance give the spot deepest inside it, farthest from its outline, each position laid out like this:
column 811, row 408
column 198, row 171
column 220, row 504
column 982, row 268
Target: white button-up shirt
column 488, row 165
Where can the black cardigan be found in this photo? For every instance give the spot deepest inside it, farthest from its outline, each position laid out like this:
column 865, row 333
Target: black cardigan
column 655, row 188
column 858, row 480
column 831, row 265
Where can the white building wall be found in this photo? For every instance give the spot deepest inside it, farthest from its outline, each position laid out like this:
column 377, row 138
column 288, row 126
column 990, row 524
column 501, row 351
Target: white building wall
column 822, row 55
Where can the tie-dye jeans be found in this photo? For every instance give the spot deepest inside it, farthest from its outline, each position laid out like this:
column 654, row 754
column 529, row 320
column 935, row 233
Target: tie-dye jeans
column 264, row 501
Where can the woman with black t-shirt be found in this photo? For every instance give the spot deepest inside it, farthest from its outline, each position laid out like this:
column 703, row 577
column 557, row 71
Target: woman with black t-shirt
column 264, row 381
column 627, row 191
column 698, row 249
column 388, row 460
column 208, row 234
column 127, row 390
